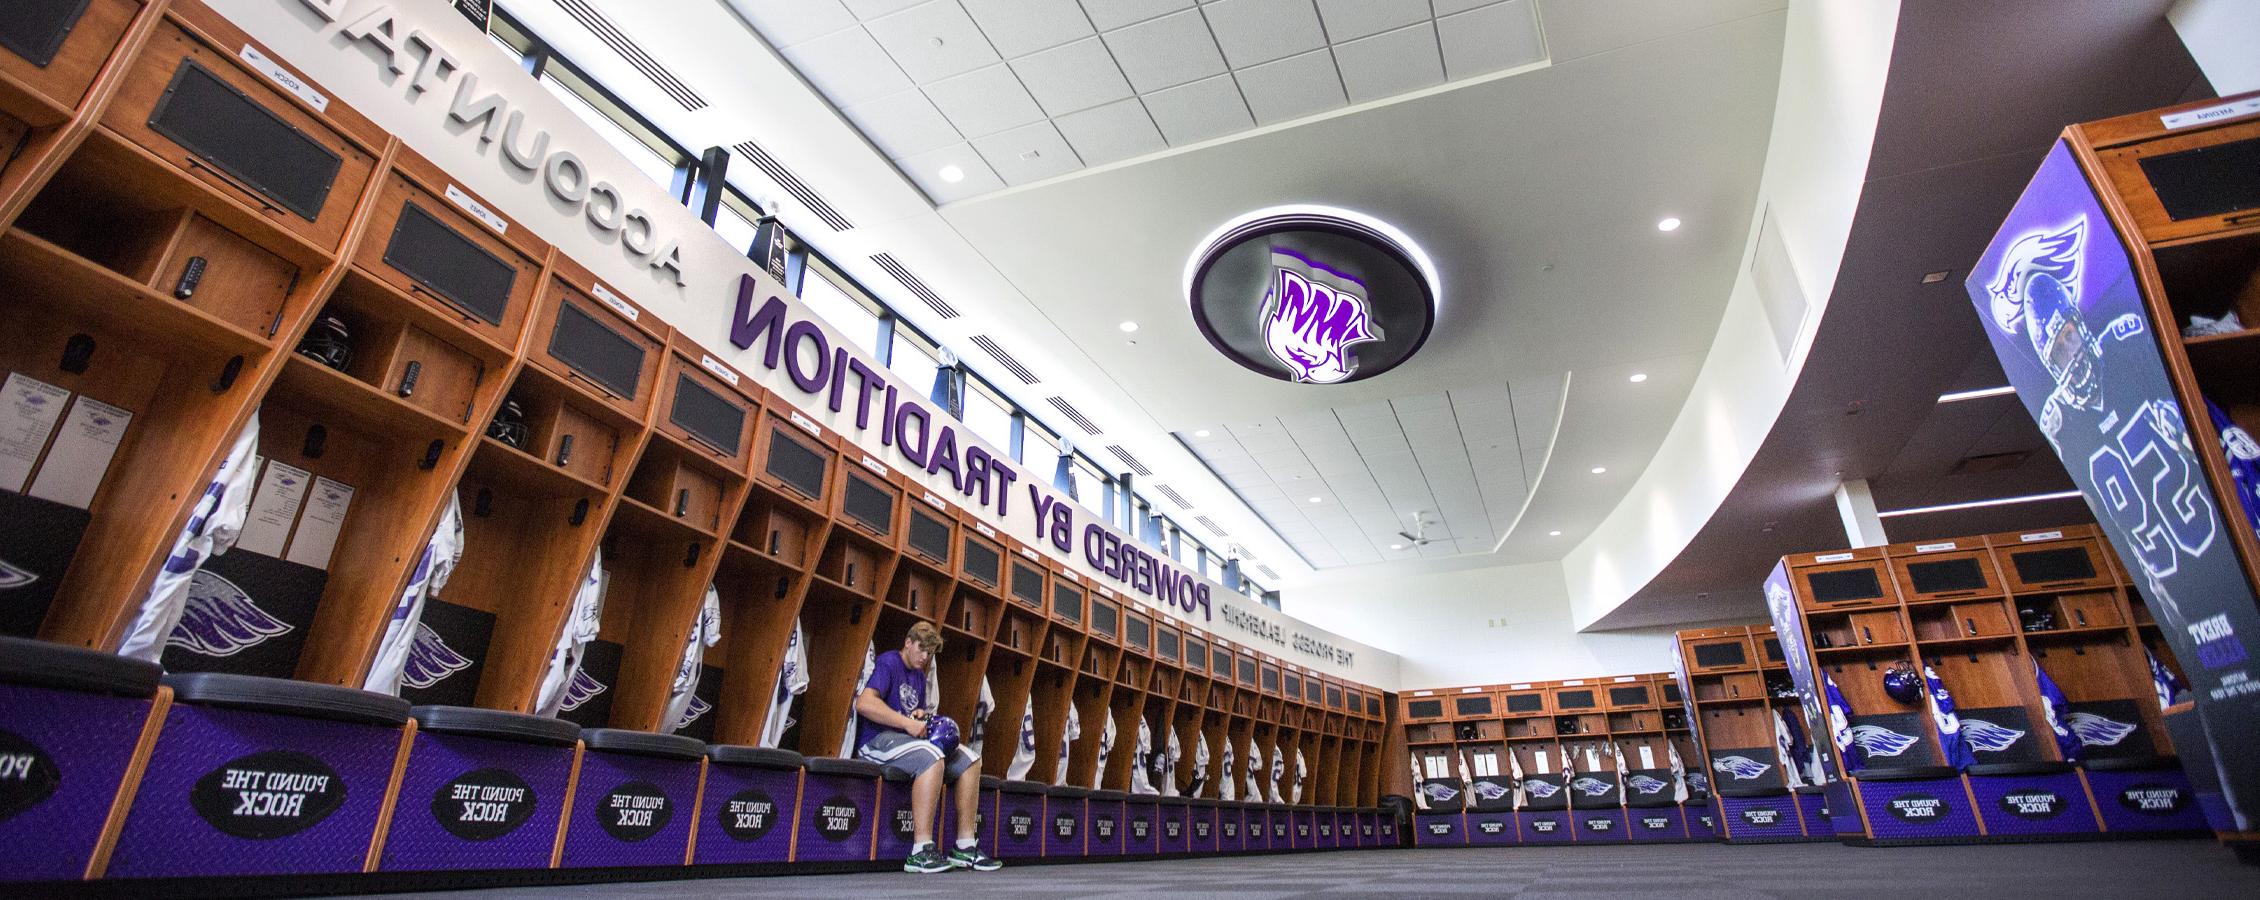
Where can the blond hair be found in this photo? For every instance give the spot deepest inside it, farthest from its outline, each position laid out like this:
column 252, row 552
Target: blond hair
column 926, row 636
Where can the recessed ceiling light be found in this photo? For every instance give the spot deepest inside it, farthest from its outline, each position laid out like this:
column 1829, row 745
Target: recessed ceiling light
column 1201, row 433
column 1959, row 396
column 1317, row 499
column 1638, row 377
column 2003, row 501
column 953, row 173
column 1600, row 469
column 1128, row 325
column 1670, row 223
column 1396, row 546
column 1553, row 534
column 1936, row 277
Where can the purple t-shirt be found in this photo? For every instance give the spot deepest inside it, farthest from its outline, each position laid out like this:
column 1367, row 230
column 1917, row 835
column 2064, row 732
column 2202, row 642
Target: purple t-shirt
column 903, row 689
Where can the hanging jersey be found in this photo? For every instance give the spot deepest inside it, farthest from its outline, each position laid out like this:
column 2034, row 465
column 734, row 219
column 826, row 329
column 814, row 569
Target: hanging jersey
column 792, row 681
column 212, row 529
column 1278, row 770
column 2244, row 463
column 1198, row 785
column 849, row 734
column 981, row 710
column 1024, row 753
column 1142, row 760
column 1073, row 732
column 403, row 633
column 1255, row 772
column 581, row 623
column 1228, row 787
column 682, row 695
column 1301, row 773
column 1171, row 754
column 1949, row 725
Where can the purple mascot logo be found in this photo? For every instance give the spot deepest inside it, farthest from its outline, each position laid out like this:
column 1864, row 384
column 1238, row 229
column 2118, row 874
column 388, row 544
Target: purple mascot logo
column 1310, row 325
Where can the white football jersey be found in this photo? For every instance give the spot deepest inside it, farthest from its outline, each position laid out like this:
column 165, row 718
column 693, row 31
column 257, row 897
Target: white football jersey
column 1255, row 772
column 441, row 553
column 1074, row 731
column 1300, row 774
column 1172, row 753
column 581, row 624
column 212, row 529
column 792, row 681
column 847, row 739
column 1024, row 754
column 706, row 632
column 1141, row 768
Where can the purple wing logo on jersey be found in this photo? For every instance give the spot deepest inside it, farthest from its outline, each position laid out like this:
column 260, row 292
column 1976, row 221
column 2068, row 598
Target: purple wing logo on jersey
column 430, row 660
column 1698, row 782
column 1310, row 327
column 1438, row 792
column 1591, row 786
column 1489, row 790
column 581, row 690
column 1988, row 737
column 1540, row 789
column 1642, row 784
column 1742, row 768
column 2097, row 731
column 1880, row 741
column 697, row 708
column 12, row 577
column 221, row 620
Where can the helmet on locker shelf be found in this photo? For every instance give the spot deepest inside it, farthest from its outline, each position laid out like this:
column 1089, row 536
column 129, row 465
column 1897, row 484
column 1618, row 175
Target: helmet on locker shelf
column 328, row 342
column 509, row 425
column 1903, row 683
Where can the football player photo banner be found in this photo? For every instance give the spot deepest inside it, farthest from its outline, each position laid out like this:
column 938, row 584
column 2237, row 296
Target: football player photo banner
column 2063, row 309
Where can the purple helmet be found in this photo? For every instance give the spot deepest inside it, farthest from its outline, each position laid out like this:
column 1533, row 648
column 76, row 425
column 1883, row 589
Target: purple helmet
column 1903, row 683
column 942, row 730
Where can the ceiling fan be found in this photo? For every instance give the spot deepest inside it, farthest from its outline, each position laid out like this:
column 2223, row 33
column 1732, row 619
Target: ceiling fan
column 1418, row 536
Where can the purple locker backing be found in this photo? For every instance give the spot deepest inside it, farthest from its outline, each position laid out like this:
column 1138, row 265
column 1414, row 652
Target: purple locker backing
column 746, row 814
column 2145, row 800
column 165, row 836
column 1492, row 828
column 631, row 810
column 1926, row 810
column 89, row 740
column 836, row 816
column 1600, row 826
column 428, row 830
column 1067, row 820
column 1549, row 827
column 2033, row 804
column 1761, row 820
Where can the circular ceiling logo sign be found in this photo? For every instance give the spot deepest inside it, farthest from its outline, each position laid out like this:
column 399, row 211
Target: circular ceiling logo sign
column 1312, row 294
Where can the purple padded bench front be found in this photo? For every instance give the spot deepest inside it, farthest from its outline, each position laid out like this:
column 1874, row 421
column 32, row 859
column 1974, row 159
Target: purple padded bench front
column 483, row 789
column 263, row 776
column 633, row 803
column 746, row 811
column 71, row 723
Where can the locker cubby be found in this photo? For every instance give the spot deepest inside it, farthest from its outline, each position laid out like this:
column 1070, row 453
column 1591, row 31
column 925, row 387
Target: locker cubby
column 2071, row 612
column 1636, row 722
column 1125, row 707
column 1169, row 644
column 658, row 568
column 1099, row 658
column 981, row 553
column 1581, row 725
column 760, row 602
column 1944, row 570
column 1105, row 617
column 1958, row 620
column 1577, row 696
column 1050, row 693
column 793, row 459
column 918, row 592
column 430, row 239
column 859, row 556
column 42, row 85
column 1743, row 686
column 191, row 117
column 1531, row 728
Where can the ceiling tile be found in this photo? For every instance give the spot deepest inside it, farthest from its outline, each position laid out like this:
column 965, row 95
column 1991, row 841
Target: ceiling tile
column 1391, row 63
column 1072, row 77
column 784, row 23
column 1164, row 52
column 933, row 41
column 1020, row 27
column 1259, row 31
column 1118, row 130
column 848, row 66
column 872, row 9
column 1489, row 39
column 984, row 101
column 925, row 169
column 1448, row 7
column 1111, row 14
column 903, row 124
column 1199, row 111
column 1352, row 19
column 1028, row 153
column 1293, row 87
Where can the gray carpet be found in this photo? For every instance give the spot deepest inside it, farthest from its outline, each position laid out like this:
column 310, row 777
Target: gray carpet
column 1686, row 872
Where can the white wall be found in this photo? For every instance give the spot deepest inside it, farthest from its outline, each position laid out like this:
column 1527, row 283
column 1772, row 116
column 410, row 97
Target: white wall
column 1834, row 60
column 2221, row 35
column 1479, row 626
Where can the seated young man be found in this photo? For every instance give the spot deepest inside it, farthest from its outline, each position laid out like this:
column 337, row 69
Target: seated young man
column 891, row 722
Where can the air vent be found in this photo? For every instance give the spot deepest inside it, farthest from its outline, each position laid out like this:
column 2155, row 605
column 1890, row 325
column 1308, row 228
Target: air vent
column 1210, row 524
column 903, row 274
column 1073, row 415
column 1990, row 462
column 1010, row 365
column 792, row 184
column 612, row 37
column 1128, row 460
column 1174, row 497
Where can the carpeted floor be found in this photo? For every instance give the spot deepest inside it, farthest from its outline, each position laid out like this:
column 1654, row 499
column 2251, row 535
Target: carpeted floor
column 2161, row 869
